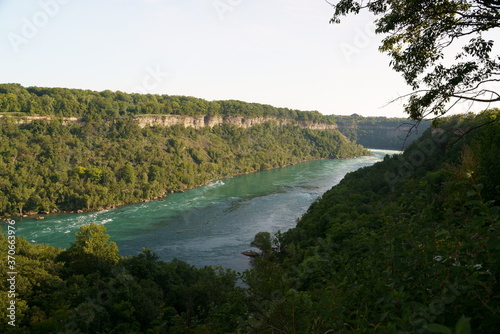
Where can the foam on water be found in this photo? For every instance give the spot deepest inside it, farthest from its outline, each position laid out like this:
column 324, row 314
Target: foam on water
column 212, row 224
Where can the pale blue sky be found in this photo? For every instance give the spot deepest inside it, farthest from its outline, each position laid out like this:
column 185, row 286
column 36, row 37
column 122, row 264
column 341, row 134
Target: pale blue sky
column 278, row 52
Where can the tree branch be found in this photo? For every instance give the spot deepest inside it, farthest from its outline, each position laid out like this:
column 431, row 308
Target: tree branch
column 475, row 99
column 463, row 134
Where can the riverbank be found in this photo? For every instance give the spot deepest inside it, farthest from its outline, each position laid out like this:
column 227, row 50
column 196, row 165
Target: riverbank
column 207, row 225
column 163, row 196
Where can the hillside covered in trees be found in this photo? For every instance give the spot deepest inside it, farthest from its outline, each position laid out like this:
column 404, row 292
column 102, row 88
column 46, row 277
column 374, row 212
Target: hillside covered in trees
column 107, row 158
column 410, row 244
column 107, row 105
column 49, row 167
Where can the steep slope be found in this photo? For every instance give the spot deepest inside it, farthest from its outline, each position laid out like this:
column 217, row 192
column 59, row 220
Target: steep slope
column 53, row 165
column 410, row 244
column 380, row 132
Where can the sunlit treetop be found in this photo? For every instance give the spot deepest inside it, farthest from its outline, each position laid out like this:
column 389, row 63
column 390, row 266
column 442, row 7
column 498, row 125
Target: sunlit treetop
column 420, row 35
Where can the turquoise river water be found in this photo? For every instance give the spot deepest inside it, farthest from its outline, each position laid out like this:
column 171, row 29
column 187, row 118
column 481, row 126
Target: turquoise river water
column 209, row 225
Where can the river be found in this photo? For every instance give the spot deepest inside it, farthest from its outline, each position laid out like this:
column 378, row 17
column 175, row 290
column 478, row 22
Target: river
column 208, row 225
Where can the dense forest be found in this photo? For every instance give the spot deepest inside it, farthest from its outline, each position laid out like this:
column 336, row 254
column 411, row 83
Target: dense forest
column 409, row 245
column 49, row 167
column 380, row 132
column 106, row 159
column 107, row 105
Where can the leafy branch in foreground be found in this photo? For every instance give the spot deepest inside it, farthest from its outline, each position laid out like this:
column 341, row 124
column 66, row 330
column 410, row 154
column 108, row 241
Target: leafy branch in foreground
column 420, row 37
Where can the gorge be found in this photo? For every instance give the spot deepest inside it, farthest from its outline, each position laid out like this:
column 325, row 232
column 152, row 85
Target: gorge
column 209, row 225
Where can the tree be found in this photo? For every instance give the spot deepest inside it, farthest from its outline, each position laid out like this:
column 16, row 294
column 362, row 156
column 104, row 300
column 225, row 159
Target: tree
column 21, row 195
column 128, row 174
column 262, row 241
column 91, row 251
column 419, row 35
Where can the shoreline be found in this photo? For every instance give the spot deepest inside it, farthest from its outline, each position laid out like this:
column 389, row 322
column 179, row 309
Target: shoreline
column 42, row 215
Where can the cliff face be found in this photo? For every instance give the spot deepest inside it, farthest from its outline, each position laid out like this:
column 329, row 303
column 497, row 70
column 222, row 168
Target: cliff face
column 29, row 119
column 386, row 131
column 198, row 122
column 383, row 135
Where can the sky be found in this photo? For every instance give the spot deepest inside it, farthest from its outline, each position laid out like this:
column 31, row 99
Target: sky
column 278, row 52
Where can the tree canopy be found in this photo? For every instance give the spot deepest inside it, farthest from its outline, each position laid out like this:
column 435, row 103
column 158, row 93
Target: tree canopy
column 408, row 245
column 420, row 36
column 47, row 166
column 91, row 250
column 16, row 100
column 262, row 241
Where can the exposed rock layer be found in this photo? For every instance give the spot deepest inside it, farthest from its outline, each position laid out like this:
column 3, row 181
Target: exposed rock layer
column 197, row 122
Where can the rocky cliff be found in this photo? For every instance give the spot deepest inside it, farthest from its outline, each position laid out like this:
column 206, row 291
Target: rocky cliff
column 384, row 134
column 29, row 119
column 196, row 122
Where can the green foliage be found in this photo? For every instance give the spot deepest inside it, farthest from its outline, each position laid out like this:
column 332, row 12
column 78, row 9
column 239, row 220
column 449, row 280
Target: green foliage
column 413, row 252
column 262, row 241
column 107, row 105
column 137, row 294
column 92, row 251
column 409, row 245
column 33, row 289
column 387, row 250
column 421, row 37
column 50, row 166
column 462, row 327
